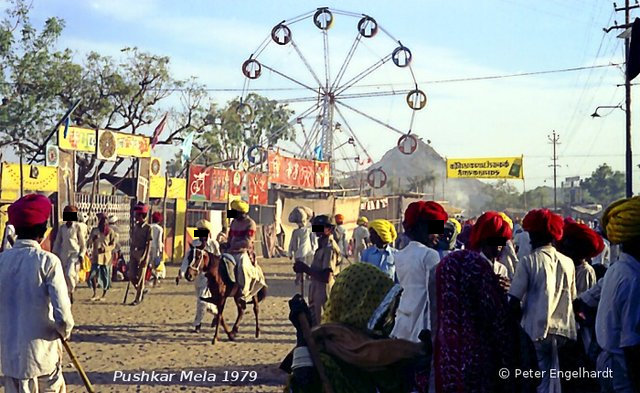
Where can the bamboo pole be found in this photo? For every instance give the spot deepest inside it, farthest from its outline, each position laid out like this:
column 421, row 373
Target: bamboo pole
column 76, row 363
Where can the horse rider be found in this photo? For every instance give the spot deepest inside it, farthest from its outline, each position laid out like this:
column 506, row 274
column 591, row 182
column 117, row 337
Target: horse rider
column 249, row 277
column 207, row 243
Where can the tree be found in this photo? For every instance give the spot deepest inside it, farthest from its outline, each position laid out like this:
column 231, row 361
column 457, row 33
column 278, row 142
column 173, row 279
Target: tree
column 605, row 185
column 418, row 183
column 503, row 195
column 225, row 137
column 29, row 65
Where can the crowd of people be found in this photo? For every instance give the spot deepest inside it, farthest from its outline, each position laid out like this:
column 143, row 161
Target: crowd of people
column 491, row 304
column 447, row 306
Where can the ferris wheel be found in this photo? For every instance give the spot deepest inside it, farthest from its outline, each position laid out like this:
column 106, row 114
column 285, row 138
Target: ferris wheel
column 335, row 103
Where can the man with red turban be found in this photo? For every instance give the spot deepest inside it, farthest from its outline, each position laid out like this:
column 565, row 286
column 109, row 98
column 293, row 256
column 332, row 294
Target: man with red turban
column 423, row 225
column 581, row 243
column 547, row 278
column 140, row 245
column 489, row 237
column 35, row 309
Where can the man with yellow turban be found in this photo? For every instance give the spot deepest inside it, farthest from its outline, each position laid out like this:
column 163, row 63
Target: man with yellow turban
column 361, row 238
column 241, row 236
column 382, row 234
column 618, row 317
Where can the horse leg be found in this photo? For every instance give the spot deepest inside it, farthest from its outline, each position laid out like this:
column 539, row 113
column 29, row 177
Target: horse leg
column 230, row 334
column 217, row 320
column 239, row 318
column 256, row 312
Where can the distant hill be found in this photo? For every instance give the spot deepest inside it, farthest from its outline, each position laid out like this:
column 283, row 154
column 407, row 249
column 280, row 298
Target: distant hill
column 405, row 171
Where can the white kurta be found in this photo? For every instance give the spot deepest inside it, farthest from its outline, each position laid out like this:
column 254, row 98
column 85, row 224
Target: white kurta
column 34, row 309
column 522, row 241
column 413, row 267
column 509, row 258
column 9, row 231
column 200, row 284
column 546, row 282
column 70, row 246
column 156, row 250
column 604, row 258
column 302, row 244
column 360, row 238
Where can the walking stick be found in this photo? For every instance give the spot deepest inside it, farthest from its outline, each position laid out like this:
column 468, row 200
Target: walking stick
column 76, row 363
column 126, row 293
column 315, row 356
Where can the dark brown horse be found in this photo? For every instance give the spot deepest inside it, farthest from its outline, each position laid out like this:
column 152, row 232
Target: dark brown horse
column 221, row 287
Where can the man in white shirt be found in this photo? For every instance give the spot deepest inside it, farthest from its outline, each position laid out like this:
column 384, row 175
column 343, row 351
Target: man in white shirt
column 618, row 317
column 207, row 243
column 545, row 284
column 423, row 224
column 156, row 250
column 360, row 238
column 70, row 246
column 522, row 243
column 35, row 310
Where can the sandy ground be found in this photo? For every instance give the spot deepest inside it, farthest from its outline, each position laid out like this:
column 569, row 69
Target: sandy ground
column 156, row 336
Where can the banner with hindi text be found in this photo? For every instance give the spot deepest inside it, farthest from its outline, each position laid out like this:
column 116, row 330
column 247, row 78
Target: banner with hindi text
column 485, row 168
column 84, row 140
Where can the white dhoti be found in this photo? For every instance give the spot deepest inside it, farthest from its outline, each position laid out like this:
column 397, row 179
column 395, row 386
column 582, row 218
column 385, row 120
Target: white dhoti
column 250, row 278
column 71, row 266
column 53, row 383
column 202, row 290
column 547, row 354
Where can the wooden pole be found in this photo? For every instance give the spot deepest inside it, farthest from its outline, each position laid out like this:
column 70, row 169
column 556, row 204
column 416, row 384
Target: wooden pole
column 164, row 210
column 76, row 363
column 21, row 174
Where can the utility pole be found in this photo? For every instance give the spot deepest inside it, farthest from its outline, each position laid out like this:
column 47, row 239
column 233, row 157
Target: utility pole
column 627, row 87
column 555, row 141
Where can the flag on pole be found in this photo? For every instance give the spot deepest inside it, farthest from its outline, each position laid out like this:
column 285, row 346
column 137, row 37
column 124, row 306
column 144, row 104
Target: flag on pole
column 187, row 144
column 67, row 122
column 318, row 152
column 158, row 130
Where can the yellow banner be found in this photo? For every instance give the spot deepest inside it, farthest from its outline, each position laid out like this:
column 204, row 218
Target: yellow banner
column 485, row 168
column 84, row 139
column 177, row 188
column 35, row 178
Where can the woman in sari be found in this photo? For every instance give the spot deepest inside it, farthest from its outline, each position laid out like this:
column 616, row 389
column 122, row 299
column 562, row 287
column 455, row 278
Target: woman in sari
column 355, row 351
column 474, row 336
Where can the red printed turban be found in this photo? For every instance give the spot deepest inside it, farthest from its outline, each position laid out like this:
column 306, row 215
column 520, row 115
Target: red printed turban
column 30, row 210
column 582, row 239
column 544, row 221
column 489, row 225
column 423, row 211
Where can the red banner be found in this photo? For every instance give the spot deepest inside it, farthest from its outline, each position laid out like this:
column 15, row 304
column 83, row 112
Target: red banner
column 207, row 184
column 323, row 174
column 257, row 183
column 290, row 171
column 236, row 182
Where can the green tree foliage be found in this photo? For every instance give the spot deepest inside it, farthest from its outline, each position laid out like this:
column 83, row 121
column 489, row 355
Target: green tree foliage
column 605, row 185
column 29, row 64
column 123, row 94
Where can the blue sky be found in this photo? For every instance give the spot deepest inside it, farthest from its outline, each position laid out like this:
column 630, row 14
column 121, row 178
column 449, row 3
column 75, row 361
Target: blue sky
column 211, row 39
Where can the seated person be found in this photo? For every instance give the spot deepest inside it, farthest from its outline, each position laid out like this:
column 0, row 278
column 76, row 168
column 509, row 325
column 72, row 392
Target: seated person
column 354, row 351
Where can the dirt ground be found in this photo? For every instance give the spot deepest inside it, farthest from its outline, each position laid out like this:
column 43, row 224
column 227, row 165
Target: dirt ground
column 156, row 336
